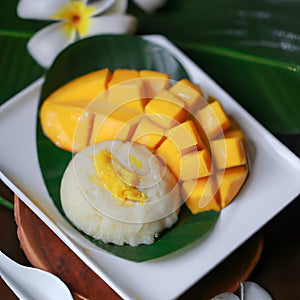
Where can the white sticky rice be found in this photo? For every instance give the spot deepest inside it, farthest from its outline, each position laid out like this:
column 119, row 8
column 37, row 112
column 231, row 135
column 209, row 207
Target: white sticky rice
column 94, row 209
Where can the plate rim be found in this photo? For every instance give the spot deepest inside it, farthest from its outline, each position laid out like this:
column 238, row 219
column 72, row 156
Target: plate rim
column 66, row 239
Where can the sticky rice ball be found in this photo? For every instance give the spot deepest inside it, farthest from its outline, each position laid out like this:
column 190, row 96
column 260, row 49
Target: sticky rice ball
column 119, row 192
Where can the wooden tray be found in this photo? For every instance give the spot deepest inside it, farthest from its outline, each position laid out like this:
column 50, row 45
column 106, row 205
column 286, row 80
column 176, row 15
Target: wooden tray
column 46, row 251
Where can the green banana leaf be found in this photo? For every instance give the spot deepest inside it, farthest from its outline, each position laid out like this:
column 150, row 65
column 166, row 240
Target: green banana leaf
column 17, row 68
column 116, row 52
column 251, row 48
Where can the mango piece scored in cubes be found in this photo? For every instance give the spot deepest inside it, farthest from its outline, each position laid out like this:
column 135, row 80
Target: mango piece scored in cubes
column 166, row 110
column 125, row 89
column 200, row 144
column 212, row 119
column 148, row 134
column 64, row 112
column 189, row 93
column 154, row 82
column 230, row 182
column 228, row 152
column 200, row 195
column 185, row 136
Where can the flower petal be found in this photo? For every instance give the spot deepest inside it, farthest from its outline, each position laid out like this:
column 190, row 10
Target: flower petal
column 46, row 44
column 114, row 23
column 119, row 7
column 252, row 291
column 41, row 9
column 149, row 6
column 226, row 296
column 101, row 6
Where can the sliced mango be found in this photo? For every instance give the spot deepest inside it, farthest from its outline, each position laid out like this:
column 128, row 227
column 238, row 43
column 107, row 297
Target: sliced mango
column 84, row 88
column 170, row 153
column 200, row 195
column 148, row 133
column 122, row 75
column 166, row 110
column 189, row 93
column 185, row 136
column 228, row 152
column 67, row 126
column 212, row 120
column 234, row 130
column 112, row 124
column 196, row 164
column 154, row 82
column 125, row 89
column 230, row 182
column 204, row 150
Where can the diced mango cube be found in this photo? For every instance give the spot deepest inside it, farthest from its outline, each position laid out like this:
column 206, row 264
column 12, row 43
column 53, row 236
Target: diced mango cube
column 125, row 89
column 67, row 126
column 200, row 195
column 230, row 182
column 154, row 82
column 195, row 165
column 227, row 153
column 83, row 89
column 185, row 136
column 122, row 75
column 212, row 119
column 170, row 153
column 234, row 130
column 189, row 93
column 112, row 124
column 166, row 110
column 148, row 133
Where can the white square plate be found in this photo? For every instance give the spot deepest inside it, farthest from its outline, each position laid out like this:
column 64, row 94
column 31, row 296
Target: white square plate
column 273, row 183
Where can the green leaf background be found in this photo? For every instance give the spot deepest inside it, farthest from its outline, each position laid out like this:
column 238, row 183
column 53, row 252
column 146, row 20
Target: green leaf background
column 251, row 48
column 116, row 52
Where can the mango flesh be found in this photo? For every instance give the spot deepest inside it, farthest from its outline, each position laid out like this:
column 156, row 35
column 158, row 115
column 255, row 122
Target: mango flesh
column 189, row 93
column 166, row 110
column 154, row 82
column 201, row 145
column 148, row 133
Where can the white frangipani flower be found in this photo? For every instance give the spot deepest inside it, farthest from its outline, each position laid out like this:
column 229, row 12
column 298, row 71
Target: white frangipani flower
column 149, row 5
column 248, row 291
column 74, row 19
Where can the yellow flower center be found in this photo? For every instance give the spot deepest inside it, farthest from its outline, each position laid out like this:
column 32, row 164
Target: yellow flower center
column 76, row 17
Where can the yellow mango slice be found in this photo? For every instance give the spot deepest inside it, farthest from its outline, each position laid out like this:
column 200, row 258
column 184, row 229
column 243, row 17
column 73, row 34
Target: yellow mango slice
column 195, row 165
column 125, row 89
column 200, row 195
column 234, row 130
column 112, row 124
column 212, row 119
column 154, row 82
column 148, row 134
column 166, row 110
column 185, row 136
column 169, row 152
column 227, row 153
column 189, row 93
column 84, row 88
column 67, row 126
column 230, row 182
